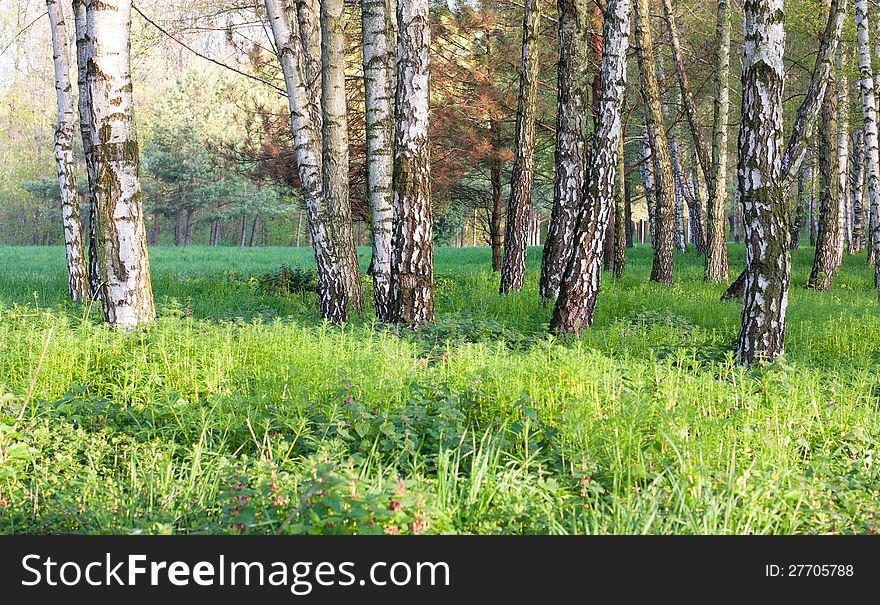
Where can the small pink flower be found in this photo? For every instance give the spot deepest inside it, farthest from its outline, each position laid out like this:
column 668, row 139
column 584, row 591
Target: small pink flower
column 395, row 506
column 391, row 530
column 349, row 399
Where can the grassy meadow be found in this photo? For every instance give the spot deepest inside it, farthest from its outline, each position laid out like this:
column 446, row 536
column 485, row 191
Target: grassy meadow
column 241, row 412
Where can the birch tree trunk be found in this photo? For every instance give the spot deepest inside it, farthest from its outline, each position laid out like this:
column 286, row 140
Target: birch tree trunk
column 77, row 270
column 825, row 259
column 83, row 51
column 379, row 26
column 869, row 111
column 580, row 286
column 573, row 70
column 513, row 263
column 765, row 220
column 843, row 111
column 857, row 179
column 335, row 142
column 716, row 238
column 306, row 124
column 620, row 219
column 126, row 294
column 412, row 265
column 664, row 187
column 800, row 209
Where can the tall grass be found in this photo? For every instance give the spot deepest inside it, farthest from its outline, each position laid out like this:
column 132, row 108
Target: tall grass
column 242, row 412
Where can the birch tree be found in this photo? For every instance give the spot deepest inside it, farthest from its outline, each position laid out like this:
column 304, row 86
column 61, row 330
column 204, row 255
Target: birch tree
column 857, row 179
column 573, row 71
column 306, row 124
column 83, row 50
column 842, row 118
column 379, row 26
column 522, row 175
column 121, row 240
column 664, row 186
column 765, row 220
column 580, row 286
column 869, row 112
column 412, row 260
column 335, row 142
column 77, row 270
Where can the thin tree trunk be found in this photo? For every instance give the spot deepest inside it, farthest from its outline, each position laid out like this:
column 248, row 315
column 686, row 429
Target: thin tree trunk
column 869, row 111
column 580, row 286
column 664, row 187
column 178, row 227
column 797, row 217
column 155, row 228
column 77, row 270
column 496, row 235
column 255, row 225
column 513, row 264
column 83, row 52
column 127, row 298
column 573, row 71
column 621, row 220
column 814, row 185
column 857, row 179
column 297, row 61
column 335, row 143
column 842, row 118
column 716, row 239
column 647, row 171
column 627, row 209
column 412, row 266
column 243, row 231
column 825, row 258
column 379, row 25
column 188, row 229
column 299, row 220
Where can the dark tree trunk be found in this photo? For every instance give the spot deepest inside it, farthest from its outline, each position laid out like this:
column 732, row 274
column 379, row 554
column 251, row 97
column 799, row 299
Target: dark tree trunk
column 513, row 264
column 188, row 230
column 827, row 238
column 496, row 235
column 255, row 225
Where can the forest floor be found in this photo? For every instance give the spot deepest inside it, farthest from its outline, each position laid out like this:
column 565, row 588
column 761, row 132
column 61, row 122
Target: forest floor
column 241, row 412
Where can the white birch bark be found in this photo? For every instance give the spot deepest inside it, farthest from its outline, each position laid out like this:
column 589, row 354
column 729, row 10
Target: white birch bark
column 412, row 265
column 77, row 270
column 379, row 26
column 306, row 124
column 127, row 297
column 843, row 110
column 765, row 220
column 869, row 112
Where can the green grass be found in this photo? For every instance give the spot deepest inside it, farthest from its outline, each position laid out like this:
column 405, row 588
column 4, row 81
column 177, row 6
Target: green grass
column 242, row 412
